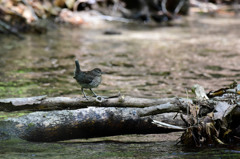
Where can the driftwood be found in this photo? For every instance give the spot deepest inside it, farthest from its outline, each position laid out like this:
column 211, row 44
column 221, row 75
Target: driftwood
column 122, row 115
column 59, row 103
column 87, row 122
column 81, row 123
column 148, row 106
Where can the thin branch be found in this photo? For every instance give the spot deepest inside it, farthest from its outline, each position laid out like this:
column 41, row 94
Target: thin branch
column 10, row 29
column 179, row 7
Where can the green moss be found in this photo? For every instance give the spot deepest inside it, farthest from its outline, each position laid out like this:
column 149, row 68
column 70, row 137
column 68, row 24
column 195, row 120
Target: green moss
column 214, row 68
column 15, row 90
column 7, row 84
column 25, row 70
column 5, row 115
column 166, row 73
column 217, row 75
column 31, row 125
column 24, row 88
column 2, row 89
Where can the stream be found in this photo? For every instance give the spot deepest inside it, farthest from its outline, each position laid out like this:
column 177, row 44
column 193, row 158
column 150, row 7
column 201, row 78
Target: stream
column 143, row 61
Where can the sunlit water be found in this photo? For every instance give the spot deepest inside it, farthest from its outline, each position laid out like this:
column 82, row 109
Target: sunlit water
column 143, row 61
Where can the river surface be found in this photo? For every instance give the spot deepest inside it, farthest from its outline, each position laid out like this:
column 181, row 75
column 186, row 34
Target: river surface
column 112, row 149
column 143, row 61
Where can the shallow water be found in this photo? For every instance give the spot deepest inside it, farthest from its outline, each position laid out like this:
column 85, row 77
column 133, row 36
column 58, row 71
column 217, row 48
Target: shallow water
column 111, row 149
column 144, row 61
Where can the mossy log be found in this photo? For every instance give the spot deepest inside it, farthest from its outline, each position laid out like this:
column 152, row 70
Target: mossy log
column 88, row 122
column 48, row 126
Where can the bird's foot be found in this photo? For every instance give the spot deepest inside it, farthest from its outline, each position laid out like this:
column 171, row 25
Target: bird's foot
column 86, row 97
column 94, row 94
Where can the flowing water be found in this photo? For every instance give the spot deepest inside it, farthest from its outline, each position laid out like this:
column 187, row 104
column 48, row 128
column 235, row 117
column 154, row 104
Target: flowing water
column 143, row 61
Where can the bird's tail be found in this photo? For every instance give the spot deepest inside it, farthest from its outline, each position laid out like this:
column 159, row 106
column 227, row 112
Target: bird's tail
column 77, row 69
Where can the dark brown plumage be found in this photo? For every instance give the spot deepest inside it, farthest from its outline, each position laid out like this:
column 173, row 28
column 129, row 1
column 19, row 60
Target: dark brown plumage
column 87, row 79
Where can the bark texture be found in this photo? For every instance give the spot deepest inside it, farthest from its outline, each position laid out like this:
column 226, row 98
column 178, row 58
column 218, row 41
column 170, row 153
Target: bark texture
column 59, row 103
column 90, row 122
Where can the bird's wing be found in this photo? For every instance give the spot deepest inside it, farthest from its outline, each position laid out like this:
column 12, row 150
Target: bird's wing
column 87, row 77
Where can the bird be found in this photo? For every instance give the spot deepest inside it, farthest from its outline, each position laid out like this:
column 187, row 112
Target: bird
column 87, row 79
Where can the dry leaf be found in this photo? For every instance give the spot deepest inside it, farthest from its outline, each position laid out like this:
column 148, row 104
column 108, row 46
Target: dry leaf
column 59, row 3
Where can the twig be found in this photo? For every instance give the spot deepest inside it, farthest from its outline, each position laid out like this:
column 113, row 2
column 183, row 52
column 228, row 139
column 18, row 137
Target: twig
column 175, row 115
column 164, row 9
column 115, row 6
column 162, row 124
column 179, row 7
column 10, row 29
column 100, row 99
column 184, row 120
column 188, row 105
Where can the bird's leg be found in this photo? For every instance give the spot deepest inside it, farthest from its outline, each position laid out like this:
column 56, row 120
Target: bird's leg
column 95, row 95
column 84, row 93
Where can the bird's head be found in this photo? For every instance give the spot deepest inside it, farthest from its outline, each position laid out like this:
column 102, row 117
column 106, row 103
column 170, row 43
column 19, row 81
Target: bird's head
column 97, row 71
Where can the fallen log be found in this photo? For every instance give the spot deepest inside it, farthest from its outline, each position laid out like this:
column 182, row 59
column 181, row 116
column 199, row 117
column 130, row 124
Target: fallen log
column 90, row 122
column 208, row 121
column 59, row 103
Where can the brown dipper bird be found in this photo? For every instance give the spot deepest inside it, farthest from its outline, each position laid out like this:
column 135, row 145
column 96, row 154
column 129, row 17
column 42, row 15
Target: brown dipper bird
column 87, row 79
